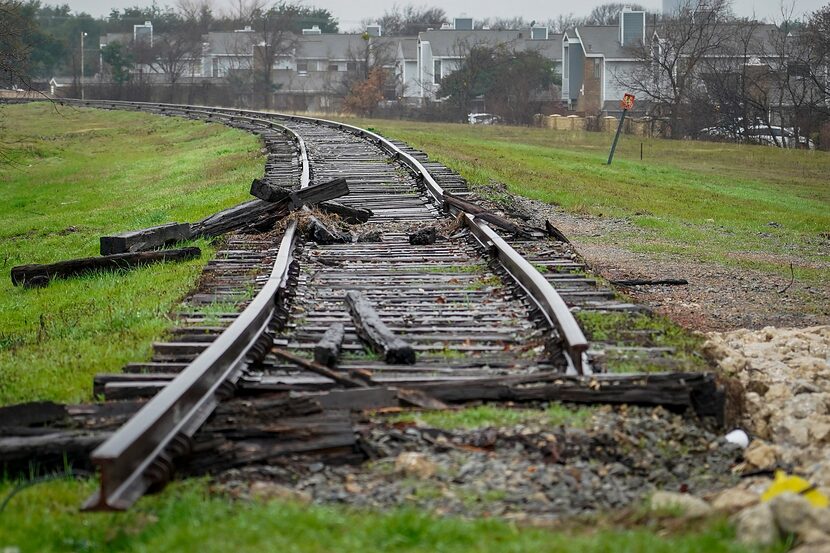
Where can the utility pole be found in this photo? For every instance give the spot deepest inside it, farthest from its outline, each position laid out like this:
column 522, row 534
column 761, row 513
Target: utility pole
column 83, row 34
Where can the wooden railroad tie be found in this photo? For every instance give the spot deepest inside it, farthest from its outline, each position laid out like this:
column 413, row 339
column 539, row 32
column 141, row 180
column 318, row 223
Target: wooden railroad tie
column 374, row 332
column 40, row 275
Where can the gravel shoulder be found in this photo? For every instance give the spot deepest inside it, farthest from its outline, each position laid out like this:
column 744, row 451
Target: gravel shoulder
column 718, row 297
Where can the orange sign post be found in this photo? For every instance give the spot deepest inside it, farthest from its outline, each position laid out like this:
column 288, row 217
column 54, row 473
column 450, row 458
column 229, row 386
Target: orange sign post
column 626, row 104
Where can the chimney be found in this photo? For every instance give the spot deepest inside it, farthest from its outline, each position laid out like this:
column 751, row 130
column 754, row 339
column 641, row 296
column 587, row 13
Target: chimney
column 143, row 33
column 463, row 23
column 538, row 33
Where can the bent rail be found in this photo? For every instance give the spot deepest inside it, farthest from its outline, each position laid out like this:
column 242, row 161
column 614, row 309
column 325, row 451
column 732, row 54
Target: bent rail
column 539, row 289
column 140, row 453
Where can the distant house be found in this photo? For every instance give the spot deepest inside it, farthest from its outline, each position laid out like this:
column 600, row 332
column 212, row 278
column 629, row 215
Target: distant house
column 440, row 52
column 596, row 60
column 316, row 75
column 407, row 67
column 225, row 52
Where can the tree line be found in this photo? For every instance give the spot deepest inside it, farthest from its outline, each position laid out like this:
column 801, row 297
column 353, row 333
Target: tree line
column 709, row 73
column 40, row 41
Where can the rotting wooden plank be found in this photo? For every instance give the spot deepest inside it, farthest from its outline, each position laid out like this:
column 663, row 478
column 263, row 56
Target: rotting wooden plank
column 329, row 190
column 257, row 214
column 481, row 213
column 322, row 234
column 327, row 350
column 352, row 215
column 35, row 412
column 40, row 275
column 145, row 239
column 318, row 369
column 374, row 332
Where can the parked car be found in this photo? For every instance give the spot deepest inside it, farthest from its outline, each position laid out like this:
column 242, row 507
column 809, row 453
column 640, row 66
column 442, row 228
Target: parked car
column 483, row 119
column 777, row 136
column 758, row 134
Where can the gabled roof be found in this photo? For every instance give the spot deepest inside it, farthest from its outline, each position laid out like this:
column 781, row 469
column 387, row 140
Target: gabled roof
column 409, row 47
column 231, row 43
column 761, row 38
column 602, row 39
column 550, row 48
column 330, row 46
column 452, row 43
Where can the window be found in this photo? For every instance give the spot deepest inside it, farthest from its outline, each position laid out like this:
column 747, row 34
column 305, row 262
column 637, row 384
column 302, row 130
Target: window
column 333, row 67
column 798, row 69
column 351, row 66
column 215, row 67
column 597, row 68
column 302, row 67
column 436, row 72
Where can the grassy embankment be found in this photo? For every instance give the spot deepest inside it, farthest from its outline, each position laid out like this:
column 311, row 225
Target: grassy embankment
column 187, row 517
column 68, row 177
column 79, row 174
column 736, row 205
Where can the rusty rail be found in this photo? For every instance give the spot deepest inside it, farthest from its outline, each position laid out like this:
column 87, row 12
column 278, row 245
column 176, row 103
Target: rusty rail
column 140, row 453
column 542, row 292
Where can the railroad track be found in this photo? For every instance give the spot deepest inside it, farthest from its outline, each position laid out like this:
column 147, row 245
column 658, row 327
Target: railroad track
column 483, row 321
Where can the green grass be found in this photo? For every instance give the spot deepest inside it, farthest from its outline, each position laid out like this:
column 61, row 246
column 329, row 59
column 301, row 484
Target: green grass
column 625, row 329
column 68, row 177
column 484, row 416
column 187, row 517
column 709, row 201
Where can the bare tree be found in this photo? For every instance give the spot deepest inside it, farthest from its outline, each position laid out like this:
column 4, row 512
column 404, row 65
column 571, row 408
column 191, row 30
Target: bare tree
column 816, row 39
column 236, row 66
column 670, row 62
column 174, row 54
column 609, row 14
column 193, row 9
column 737, row 80
column 372, row 61
column 14, row 49
column 563, row 22
column 244, row 10
column 276, row 39
column 410, row 20
column 800, row 91
column 502, row 23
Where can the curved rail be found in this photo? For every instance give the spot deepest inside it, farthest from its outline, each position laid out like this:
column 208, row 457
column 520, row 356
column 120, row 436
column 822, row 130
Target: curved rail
column 537, row 286
column 538, row 289
column 139, row 454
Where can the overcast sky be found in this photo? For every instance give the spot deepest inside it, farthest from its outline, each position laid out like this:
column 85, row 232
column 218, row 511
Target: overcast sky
column 351, row 12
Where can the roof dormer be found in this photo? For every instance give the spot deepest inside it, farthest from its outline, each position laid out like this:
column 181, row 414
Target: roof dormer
column 632, row 26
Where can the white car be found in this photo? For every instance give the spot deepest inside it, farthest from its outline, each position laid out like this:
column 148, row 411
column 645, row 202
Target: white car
column 759, row 134
column 483, row 119
column 777, row 136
